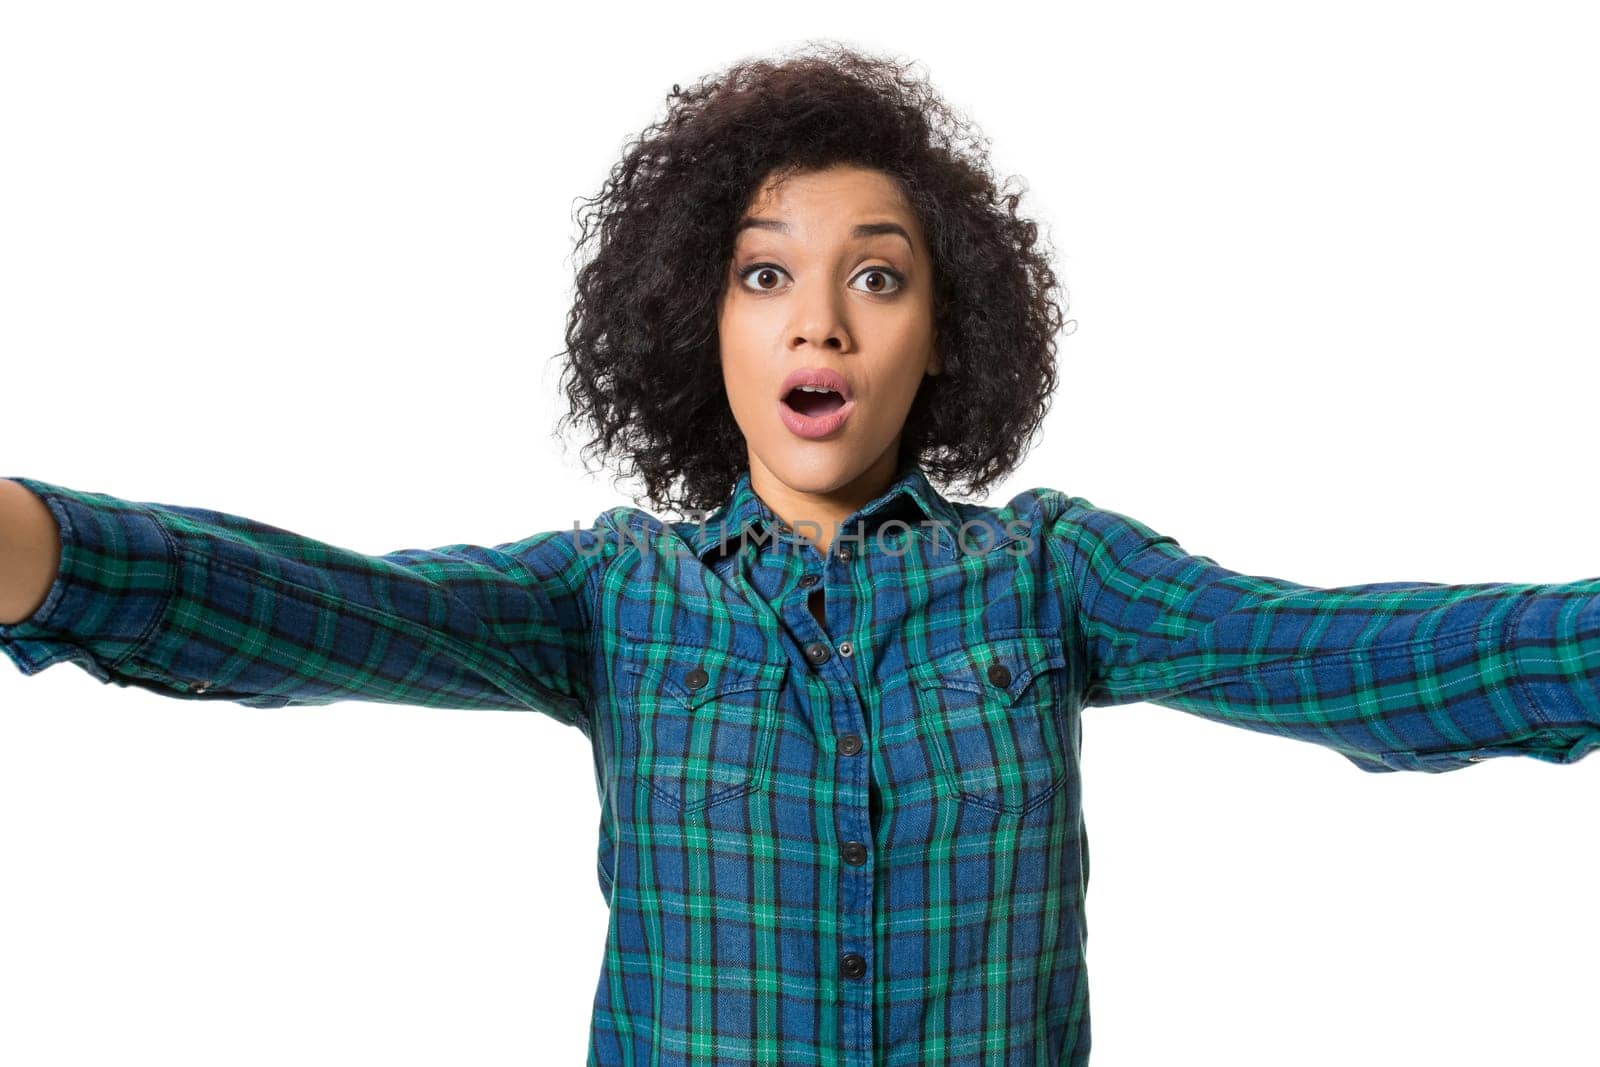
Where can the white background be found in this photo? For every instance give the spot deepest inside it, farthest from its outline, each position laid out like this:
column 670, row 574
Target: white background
column 1333, row 273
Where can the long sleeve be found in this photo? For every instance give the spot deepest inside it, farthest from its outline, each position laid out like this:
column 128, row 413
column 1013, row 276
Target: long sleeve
column 199, row 604
column 1393, row 675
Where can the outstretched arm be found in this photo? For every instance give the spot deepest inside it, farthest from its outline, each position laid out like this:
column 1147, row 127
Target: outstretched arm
column 199, row 604
column 1393, row 675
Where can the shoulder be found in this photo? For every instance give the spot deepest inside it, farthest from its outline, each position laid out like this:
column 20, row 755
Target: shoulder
column 626, row 526
column 1037, row 510
column 1075, row 525
column 1026, row 520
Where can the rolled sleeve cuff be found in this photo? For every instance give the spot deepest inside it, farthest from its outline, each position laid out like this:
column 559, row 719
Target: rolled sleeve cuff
column 1556, row 638
column 112, row 586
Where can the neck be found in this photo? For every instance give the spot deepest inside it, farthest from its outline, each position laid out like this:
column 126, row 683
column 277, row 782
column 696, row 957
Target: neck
column 816, row 514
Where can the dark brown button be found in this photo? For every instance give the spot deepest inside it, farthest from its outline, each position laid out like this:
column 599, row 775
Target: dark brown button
column 807, row 581
column 854, row 853
column 844, row 552
column 999, row 675
column 852, row 966
column 696, row 678
column 846, row 648
column 849, row 745
column 817, row 652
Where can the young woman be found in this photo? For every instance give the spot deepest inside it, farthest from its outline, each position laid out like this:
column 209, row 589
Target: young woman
column 834, row 714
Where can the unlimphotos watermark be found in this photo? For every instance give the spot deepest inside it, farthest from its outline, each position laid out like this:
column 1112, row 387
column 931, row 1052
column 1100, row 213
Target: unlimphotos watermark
column 971, row 537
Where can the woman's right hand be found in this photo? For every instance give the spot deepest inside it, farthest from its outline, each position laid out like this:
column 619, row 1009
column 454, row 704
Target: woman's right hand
column 30, row 551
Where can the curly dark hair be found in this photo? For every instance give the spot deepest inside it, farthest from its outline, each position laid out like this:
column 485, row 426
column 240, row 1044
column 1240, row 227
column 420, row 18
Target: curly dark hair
column 642, row 360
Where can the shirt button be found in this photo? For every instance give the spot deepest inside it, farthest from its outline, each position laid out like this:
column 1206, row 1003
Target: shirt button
column 844, row 552
column 999, row 675
column 817, row 652
column 849, row 745
column 846, row 648
column 696, row 678
column 854, row 852
column 852, row 966
column 807, row 581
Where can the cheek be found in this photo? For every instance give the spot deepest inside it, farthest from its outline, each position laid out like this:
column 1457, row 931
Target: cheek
column 915, row 326
column 904, row 331
column 911, row 345
column 734, row 331
column 741, row 378
column 739, row 353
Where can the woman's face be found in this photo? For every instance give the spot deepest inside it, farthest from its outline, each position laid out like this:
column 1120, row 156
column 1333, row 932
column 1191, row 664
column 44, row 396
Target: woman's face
column 829, row 275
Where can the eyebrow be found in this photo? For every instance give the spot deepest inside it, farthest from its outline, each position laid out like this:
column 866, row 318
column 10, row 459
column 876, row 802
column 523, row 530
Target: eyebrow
column 864, row 229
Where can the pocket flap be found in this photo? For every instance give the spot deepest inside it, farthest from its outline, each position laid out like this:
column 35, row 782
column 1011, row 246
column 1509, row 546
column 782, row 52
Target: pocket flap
column 998, row 665
column 695, row 675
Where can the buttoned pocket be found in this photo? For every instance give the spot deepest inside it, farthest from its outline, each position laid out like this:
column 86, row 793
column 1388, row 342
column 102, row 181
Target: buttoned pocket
column 990, row 714
column 700, row 723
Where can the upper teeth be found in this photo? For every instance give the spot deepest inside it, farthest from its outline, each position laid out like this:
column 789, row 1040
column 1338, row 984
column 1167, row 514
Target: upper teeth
column 814, row 389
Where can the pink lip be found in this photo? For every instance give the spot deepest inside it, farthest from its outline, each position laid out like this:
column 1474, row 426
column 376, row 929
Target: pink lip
column 821, row 377
column 815, row 426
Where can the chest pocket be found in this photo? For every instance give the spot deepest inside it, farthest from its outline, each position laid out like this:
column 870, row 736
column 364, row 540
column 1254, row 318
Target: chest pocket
column 699, row 724
column 991, row 715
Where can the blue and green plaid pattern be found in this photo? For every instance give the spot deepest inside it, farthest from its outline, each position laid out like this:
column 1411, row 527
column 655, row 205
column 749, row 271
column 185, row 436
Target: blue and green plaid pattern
column 852, row 843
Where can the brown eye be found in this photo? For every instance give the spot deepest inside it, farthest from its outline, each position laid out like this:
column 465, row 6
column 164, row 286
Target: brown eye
column 882, row 280
column 763, row 272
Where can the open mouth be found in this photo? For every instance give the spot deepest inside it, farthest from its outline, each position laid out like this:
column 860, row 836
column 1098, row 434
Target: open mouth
column 812, row 401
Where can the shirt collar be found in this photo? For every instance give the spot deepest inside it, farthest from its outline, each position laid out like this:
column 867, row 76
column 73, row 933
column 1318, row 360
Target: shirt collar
column 910, row 497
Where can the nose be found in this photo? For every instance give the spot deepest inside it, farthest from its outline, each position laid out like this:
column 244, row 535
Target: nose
column 818, row 322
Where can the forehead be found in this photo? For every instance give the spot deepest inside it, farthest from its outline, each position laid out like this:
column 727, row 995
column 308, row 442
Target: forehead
column 830, row 200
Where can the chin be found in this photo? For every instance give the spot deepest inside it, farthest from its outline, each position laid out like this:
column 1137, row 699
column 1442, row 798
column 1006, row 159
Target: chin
column 819, row 469
column 811, row 477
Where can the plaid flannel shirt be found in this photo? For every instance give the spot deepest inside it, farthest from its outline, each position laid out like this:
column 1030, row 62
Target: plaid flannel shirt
column 853, row 843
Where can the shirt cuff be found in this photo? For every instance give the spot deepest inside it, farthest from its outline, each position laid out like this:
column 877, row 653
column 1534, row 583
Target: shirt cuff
column 1556, row 638
column 111, row 588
